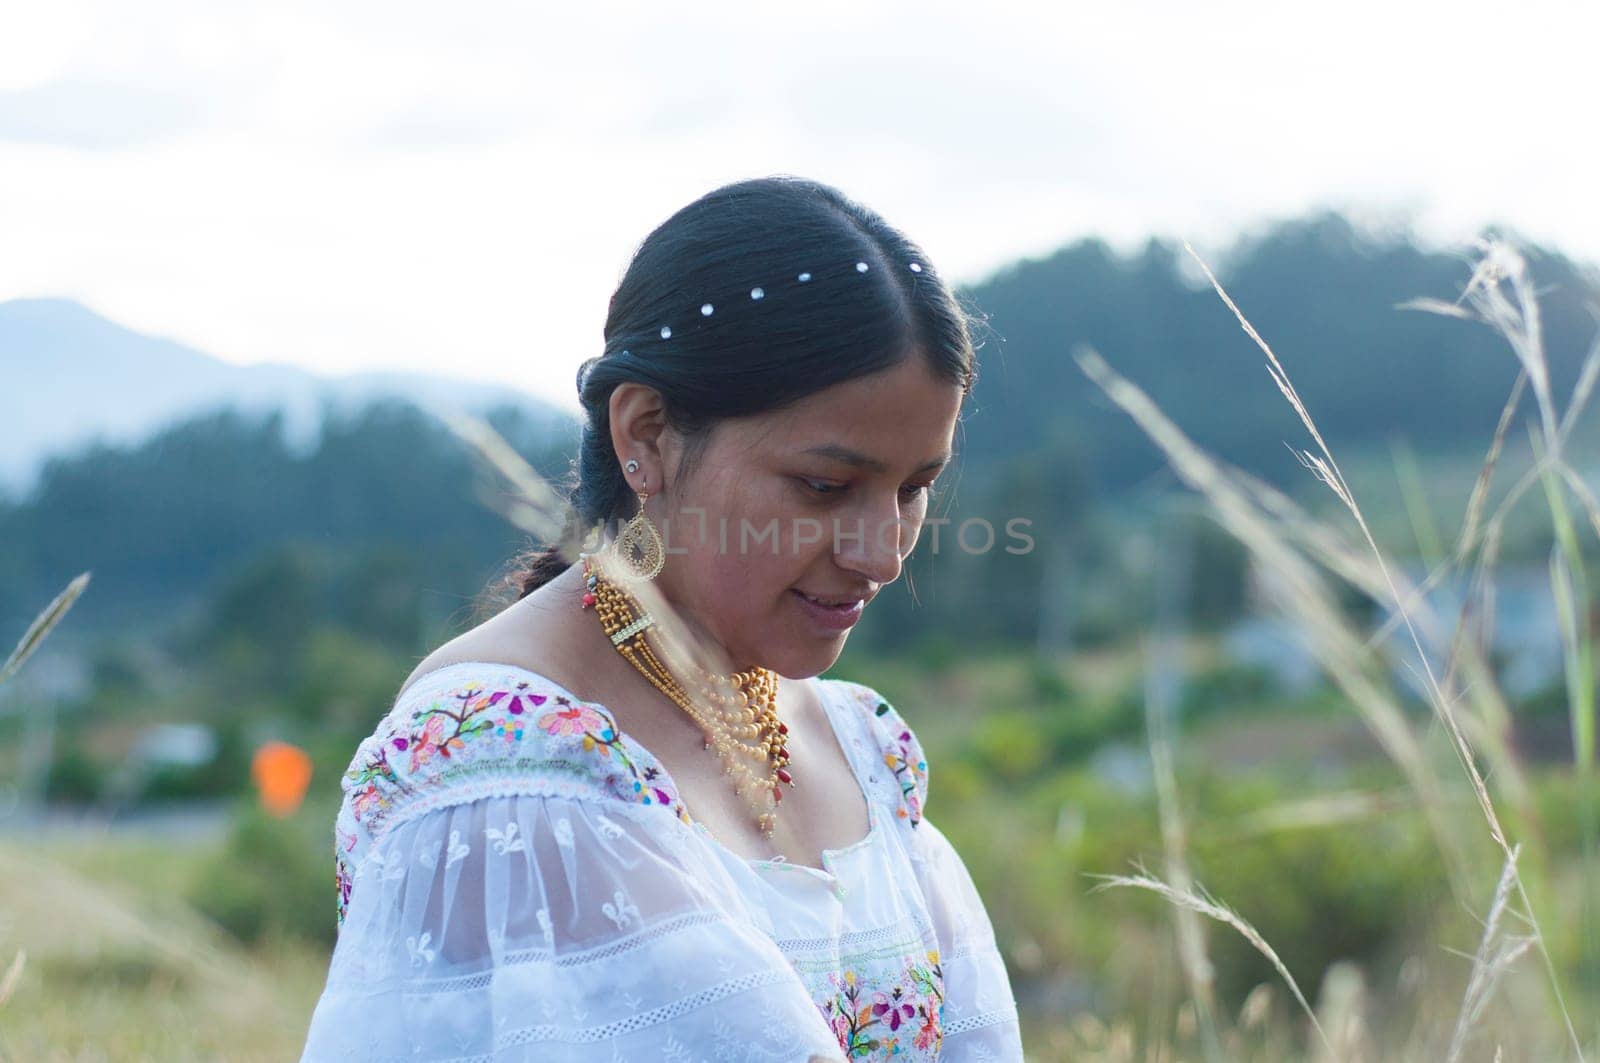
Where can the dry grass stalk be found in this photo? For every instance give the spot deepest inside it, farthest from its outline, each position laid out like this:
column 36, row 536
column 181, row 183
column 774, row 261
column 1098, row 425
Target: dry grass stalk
column 1198, row 970
column 1320, row 810
column 1494, row 957
column 535, row 507
column 1257, row 1008
column 1489, row 727
column 1198, row 900
column 31, row 639
column 1328, row 470
column 1344, row 1003
column 42, row 625
column 1519, row 321
column 13, row 975
column 1570, row 584
column 1299, row 590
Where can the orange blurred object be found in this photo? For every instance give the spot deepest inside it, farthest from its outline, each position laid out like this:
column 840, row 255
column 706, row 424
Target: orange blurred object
column 281, row 772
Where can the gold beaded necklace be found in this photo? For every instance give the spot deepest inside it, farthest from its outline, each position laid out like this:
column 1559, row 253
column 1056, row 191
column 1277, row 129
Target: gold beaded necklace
column 743, row 718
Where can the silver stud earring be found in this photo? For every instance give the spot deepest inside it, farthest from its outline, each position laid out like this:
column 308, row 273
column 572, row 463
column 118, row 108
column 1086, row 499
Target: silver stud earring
column 632, row 465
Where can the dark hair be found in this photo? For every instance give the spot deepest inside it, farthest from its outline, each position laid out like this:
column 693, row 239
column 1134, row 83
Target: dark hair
column 771, row 338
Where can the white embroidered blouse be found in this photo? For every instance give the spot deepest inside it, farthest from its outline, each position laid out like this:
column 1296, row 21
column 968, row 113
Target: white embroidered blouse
column 518, row 880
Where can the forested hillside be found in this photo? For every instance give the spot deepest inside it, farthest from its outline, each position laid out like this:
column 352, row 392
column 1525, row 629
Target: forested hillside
column 162, row 524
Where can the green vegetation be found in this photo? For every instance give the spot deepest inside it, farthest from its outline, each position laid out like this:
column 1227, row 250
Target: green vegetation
column 1412, row 849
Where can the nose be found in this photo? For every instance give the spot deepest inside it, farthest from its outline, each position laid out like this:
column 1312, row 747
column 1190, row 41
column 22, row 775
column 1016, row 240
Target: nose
column 870, row 546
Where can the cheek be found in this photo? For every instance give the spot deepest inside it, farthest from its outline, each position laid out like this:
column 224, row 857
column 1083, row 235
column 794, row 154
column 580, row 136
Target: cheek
column 749, row 569
column 743, row 580
column 730, row 559
column 763, row 519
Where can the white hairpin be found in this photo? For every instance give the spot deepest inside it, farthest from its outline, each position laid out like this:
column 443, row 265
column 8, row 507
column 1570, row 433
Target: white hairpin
column 706, row 309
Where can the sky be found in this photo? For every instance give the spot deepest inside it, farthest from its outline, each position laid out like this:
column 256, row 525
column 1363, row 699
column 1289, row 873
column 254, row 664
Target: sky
column 457, row 188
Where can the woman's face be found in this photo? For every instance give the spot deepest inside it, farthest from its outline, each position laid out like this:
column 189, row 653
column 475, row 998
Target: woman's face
column 825, row 497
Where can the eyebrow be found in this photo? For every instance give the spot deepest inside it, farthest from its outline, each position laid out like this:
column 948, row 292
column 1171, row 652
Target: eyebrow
column 862, row 461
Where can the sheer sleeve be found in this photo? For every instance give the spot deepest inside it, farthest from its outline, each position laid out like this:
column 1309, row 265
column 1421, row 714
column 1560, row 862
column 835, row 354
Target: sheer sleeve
column 534, row 926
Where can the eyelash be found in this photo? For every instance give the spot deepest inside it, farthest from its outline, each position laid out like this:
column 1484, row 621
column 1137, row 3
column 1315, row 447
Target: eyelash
column 826, row 490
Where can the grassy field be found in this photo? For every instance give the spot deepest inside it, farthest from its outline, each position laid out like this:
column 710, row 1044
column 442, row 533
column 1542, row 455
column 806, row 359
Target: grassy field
column 1400, row 863
column 117, row 967
column 1336, row 870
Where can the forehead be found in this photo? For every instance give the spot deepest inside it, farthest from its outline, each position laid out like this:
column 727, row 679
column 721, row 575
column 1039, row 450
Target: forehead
column 900, row 415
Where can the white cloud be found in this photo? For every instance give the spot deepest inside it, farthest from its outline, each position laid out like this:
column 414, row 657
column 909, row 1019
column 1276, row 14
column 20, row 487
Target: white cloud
column 360, row 185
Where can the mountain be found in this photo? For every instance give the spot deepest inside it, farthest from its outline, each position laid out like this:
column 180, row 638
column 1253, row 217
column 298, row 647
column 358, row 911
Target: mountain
column 69, row 377
column 385, row 498
column 1321, row 292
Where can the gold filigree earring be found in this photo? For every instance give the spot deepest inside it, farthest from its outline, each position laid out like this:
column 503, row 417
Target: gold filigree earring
column 638, row 546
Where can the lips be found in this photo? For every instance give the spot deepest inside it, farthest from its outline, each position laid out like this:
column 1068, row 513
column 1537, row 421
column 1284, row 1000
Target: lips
column 832, row 600
column 831, row 619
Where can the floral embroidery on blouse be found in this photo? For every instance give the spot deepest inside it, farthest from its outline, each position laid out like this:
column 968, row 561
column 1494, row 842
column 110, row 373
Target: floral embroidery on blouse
column 599, row 732
column 884, row 1023
column 342, row 882
column 905, row 758
column 573, row 720
column 471, row 721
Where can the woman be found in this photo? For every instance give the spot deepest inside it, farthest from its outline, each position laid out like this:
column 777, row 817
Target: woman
column 571, row 839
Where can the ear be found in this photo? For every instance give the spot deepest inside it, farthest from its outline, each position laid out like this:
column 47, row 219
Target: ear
column 639, row 431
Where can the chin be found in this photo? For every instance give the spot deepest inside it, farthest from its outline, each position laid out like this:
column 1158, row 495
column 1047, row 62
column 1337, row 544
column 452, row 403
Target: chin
column 803, row 664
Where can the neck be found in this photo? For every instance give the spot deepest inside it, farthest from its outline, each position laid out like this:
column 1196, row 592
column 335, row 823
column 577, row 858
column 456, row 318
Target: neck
column 655, row 599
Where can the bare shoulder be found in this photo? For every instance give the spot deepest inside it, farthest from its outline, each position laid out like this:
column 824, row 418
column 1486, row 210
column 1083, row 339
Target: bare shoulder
column 442, row 657
column 515, row 636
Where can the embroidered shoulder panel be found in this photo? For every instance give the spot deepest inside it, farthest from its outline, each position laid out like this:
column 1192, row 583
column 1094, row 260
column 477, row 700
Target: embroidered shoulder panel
column 898, row 748
column 493, row 734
